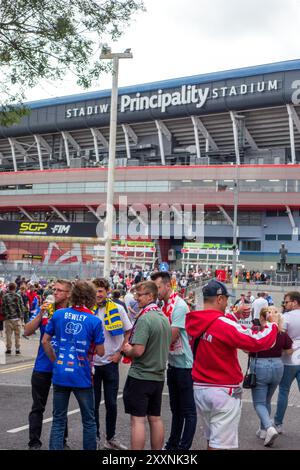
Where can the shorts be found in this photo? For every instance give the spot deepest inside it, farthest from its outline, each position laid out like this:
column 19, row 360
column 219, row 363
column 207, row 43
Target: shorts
column 221, row 413
column 142, row 397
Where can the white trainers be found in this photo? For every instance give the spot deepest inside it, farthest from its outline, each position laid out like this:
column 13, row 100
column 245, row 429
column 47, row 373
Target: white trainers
column 261, row 433
column 271, row 435
column 278, row 428
column 114, row 444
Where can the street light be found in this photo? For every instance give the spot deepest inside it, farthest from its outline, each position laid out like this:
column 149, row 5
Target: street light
column 114, row 56
column 238, row 124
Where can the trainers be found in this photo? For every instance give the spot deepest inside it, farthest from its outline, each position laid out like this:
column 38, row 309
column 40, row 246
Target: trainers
column 8, row 351
column 278, row 428
column 261, row 433
column 271, row 435
column 98, row 443
column 114, row 444
column 66, row 446
column 18, row 351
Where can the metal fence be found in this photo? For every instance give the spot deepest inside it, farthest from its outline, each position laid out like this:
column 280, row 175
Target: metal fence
column 10, row 270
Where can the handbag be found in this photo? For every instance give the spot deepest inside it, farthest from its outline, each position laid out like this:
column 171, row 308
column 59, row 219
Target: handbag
column 250, row 377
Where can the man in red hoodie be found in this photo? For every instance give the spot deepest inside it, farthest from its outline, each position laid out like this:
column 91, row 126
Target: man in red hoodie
column 217, row 375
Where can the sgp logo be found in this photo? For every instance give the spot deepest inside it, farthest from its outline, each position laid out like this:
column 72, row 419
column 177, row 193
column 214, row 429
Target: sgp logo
column 32, row 227
column 73, row 328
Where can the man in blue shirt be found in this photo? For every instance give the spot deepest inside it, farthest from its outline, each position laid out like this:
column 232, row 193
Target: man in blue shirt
column 42, row 372
column 78, row 335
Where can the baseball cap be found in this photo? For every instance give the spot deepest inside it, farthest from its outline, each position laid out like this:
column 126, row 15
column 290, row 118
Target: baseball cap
column 214, row 288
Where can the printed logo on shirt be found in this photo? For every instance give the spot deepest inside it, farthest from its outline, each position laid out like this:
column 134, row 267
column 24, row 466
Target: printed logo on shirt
column 70, row 363
column 67, row 369
column 81, row 342
column 60, row 362
column 73, row 328
column 61, row 356
column 71, row 356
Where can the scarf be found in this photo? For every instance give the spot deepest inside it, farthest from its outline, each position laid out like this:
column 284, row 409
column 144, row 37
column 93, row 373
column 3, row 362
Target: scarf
column 152, row 306
column 91, row 351
column 112, row 320
column 176, row 348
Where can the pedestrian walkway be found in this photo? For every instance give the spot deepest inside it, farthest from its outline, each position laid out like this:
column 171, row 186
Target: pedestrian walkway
column 29, row 349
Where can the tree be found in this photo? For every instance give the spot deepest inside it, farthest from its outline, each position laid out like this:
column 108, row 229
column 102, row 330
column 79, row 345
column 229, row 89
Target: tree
column 45, row 39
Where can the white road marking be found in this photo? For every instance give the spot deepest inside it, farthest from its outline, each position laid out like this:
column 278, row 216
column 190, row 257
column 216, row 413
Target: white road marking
column 17, row 368
column 48, row 420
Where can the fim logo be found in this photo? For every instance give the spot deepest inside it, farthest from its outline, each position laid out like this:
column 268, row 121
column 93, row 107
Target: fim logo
column 60, row 229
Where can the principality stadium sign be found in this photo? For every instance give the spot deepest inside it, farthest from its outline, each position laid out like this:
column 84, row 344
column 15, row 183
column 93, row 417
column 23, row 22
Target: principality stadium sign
column 191, row 94
column 186, row 95
column 264, row 86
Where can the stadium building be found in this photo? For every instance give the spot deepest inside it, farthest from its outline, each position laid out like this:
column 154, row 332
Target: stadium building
column 213, row 141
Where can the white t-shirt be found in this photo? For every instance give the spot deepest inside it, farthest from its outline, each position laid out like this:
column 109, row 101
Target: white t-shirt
column 112, row 344
column 291, row 324
column 257, row 305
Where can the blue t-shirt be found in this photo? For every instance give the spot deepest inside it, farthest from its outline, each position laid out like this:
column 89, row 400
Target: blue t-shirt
column 42, row 362
column 75, row 330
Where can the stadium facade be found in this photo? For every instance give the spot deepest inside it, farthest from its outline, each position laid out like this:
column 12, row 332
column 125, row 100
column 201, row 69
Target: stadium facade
column 210, row 141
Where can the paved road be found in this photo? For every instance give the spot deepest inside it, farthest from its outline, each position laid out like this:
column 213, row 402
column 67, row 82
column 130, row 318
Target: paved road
column 15, row 403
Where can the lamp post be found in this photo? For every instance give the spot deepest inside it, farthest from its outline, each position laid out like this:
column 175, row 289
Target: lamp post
column 235, row 233
column 107, row 54
column 238, row 124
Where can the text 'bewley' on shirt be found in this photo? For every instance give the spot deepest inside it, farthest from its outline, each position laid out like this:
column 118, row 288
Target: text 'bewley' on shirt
column 75, row 328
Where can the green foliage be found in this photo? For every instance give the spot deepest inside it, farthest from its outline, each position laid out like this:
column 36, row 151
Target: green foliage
column 43, row 39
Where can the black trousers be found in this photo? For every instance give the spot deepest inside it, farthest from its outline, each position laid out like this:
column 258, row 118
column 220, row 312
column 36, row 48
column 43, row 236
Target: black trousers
column 40, row 387
column 183, row 408
column 108, row 375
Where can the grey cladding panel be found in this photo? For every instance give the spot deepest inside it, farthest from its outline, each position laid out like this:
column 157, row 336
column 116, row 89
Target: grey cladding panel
column 188, row 98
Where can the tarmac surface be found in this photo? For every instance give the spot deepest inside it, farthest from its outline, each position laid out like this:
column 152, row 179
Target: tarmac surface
column 15, row 404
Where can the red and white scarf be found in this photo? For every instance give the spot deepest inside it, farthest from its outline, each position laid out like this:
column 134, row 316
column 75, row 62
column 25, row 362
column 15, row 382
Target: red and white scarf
column 152, row 306
column 168, row 308
column 149, row 307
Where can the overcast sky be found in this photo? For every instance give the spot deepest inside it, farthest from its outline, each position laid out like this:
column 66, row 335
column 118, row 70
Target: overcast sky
column 177, row 38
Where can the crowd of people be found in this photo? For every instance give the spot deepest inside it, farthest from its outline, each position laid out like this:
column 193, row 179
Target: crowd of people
column 149, row 321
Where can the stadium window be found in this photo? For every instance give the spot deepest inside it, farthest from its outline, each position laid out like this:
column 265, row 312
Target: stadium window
column 284, row 237
column 281, row 214
column 271, row 213
column 270, row 237
column 251, row 245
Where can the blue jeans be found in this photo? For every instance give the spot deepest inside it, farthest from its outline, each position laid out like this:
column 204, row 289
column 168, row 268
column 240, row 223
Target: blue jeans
column 289, row 374
column 85, row 399
column 183, row 408
column 109, row 376
column 268, row 375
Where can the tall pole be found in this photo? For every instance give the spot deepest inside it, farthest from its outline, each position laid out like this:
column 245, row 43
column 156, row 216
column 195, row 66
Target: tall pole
column 107, row 54
column 234, row 118
column 111, row 168
column 235, row 233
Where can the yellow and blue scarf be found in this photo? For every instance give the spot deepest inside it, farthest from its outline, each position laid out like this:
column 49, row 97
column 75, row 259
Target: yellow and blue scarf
column 112, row 319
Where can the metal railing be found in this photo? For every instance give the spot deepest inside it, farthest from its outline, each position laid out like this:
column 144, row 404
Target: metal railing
column 10, row 270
